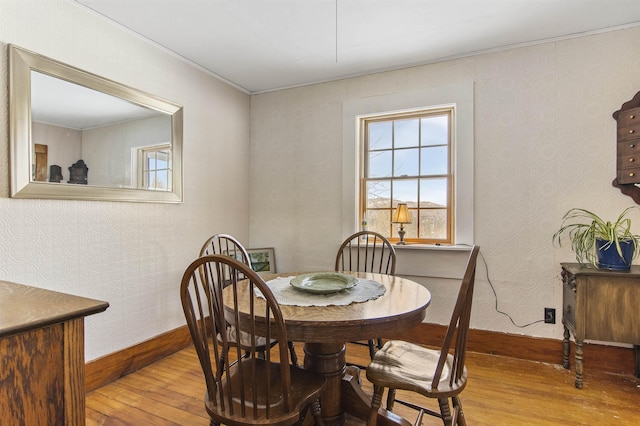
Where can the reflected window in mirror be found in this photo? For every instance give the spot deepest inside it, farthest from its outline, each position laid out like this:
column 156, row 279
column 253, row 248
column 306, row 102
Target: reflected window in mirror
column 154, row 167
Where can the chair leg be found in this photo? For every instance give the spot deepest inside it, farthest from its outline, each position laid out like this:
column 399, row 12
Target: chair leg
column 375, row 405
column 317, row 413
column 391, row 399
column 354, row 371
column 445, row 411
column 292, row 352
column 457, row 406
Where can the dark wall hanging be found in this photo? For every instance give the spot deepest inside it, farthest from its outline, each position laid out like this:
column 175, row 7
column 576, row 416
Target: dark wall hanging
column 628, row 148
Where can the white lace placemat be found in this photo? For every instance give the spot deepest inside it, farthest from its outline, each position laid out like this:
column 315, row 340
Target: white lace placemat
column 286, row 294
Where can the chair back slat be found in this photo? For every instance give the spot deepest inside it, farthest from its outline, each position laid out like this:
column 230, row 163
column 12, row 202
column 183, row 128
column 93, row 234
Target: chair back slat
column 459, row 325
column 241, row 388
column 366, row 251
column 227, row 245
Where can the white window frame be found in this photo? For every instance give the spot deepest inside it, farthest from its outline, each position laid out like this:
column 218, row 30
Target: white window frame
column 137, row 163
column 460, row 96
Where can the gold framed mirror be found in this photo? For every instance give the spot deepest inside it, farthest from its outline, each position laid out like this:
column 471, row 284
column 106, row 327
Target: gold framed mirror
column 76, row 135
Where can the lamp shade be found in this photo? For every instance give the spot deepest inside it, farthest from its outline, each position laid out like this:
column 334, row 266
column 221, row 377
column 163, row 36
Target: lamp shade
column 402, row 214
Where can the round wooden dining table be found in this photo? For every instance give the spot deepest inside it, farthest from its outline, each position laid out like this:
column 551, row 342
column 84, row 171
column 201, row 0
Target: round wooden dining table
column 325, row 330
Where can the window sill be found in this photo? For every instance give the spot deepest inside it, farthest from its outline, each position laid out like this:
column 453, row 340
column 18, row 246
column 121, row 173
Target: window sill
column 455, row 247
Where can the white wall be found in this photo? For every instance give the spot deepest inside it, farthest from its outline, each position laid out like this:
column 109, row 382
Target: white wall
column 129, row 254
column 64, row 145
column 545, row 142
column 108, row 151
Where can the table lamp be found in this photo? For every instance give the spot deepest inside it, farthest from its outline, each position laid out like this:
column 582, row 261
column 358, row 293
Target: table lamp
column 401, row 216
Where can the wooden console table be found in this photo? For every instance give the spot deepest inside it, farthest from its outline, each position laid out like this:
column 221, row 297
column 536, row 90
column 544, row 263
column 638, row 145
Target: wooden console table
column 599, row 305
column 42, row 354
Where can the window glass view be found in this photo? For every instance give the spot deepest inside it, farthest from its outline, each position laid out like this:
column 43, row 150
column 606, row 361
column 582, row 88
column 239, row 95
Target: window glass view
column 155, row 167
column 407, row 159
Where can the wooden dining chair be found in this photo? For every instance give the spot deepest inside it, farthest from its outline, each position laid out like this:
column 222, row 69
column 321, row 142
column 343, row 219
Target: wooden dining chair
column 228, row 245
column 434, row 373
column 253, row 390
column 367, row 251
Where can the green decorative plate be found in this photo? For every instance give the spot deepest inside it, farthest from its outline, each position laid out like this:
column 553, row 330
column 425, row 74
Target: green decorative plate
column 323, row 282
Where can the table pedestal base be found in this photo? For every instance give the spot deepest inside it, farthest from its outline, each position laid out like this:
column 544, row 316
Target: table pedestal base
column 342, row 394
column 328, row 359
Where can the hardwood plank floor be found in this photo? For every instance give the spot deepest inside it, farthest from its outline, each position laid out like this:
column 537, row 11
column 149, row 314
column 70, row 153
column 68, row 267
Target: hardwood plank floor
column 500, row 391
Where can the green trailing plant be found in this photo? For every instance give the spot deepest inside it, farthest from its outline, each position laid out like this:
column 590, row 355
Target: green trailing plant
column 583, row 228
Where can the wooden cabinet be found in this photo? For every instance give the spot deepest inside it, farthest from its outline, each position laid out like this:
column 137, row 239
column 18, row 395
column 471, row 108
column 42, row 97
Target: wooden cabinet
column 42, row 355
column 599, row 305
column 628, row 146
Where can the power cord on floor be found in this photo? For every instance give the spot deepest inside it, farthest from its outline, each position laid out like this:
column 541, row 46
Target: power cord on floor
column 495, row 295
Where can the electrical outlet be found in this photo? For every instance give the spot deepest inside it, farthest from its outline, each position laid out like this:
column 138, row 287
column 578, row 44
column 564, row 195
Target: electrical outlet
column 549, row 315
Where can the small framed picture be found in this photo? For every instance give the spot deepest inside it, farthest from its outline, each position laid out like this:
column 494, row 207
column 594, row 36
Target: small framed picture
column 263, row 260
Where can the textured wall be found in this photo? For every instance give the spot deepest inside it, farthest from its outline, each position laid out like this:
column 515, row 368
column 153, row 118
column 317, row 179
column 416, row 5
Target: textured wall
column 544, row 142
column 129, row 254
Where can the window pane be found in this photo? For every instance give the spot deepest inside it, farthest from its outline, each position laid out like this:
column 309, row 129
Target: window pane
column 435, row 130
column 405, row 191
column 161, row 163
column 161, row 179
column 380, row 164
column 152, row 180
column 151, row 161
column 379, row 221
column 378, row 194
column 380, row 135
column 406, row 133
column 434, row 161
column 433, row 192
column 433, row 224
column 406, row 162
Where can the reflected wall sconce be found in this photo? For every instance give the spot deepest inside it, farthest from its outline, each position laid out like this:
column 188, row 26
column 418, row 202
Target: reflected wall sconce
column 401, row 216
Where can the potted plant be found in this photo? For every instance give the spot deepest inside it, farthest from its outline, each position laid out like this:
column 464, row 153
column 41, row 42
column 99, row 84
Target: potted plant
column 604, row 244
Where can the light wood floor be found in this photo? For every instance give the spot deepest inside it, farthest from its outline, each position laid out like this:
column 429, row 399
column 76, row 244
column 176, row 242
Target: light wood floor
column 500, row 391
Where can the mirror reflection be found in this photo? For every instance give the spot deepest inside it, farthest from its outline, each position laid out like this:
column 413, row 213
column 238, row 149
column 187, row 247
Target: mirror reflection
column 120, row 143
column 76, row 135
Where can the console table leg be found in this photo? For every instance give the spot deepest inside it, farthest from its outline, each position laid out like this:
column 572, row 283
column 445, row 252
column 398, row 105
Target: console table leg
column 579, row 367
column 636, row 349
column 566, row 349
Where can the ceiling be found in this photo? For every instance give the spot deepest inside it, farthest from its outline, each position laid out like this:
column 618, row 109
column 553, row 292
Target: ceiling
column 265, row 45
